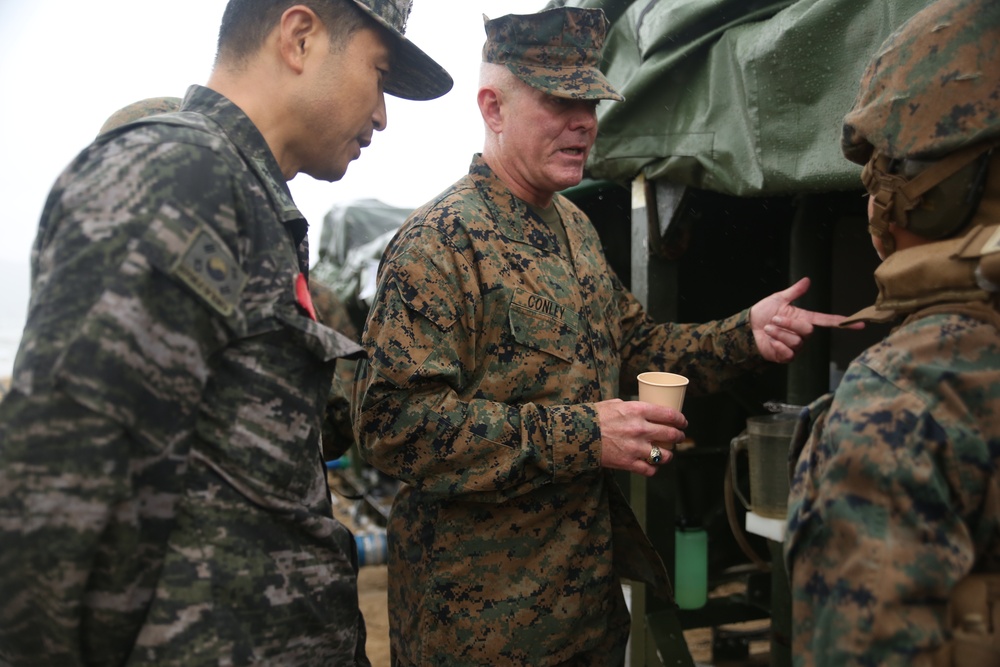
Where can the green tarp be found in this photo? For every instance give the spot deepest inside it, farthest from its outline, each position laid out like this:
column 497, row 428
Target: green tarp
column 352, row 240
column 742, row 97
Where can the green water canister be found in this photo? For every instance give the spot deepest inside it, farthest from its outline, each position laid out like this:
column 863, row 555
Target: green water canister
column 690, row 564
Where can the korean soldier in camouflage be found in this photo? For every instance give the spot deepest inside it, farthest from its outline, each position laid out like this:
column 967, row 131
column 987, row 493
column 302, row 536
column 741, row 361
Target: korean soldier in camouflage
column 337, row 433
column 895, row 499
column 496, row 341
column 162, row 496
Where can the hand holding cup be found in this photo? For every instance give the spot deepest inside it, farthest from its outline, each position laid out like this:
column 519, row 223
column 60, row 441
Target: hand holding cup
column 666, row 389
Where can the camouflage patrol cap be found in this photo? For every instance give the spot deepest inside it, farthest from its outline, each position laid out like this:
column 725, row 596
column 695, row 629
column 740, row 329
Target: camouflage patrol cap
column 557, row 51
column 147, row 107
column 414, row 75
column 932, row 88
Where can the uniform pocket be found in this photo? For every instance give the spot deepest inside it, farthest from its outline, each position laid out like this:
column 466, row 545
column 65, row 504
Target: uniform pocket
column 260, row 418
column 322, row 341
column 542, row 324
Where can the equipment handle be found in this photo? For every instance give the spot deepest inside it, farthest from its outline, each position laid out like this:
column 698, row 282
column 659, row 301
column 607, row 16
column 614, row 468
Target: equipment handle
column 736, row 445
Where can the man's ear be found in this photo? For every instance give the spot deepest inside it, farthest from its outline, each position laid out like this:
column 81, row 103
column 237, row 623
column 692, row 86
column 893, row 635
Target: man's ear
column 299, row 32
column 491, row 107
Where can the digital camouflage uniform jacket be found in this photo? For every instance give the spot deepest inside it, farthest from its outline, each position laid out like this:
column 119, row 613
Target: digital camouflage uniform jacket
column 895, row 494
column 488, row 345
column 162, row 498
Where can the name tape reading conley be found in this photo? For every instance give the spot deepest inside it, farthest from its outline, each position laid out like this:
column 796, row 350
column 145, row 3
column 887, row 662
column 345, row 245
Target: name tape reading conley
column 545, row 306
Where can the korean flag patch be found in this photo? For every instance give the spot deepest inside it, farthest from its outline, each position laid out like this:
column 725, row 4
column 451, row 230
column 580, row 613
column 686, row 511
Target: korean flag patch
column 208, row 268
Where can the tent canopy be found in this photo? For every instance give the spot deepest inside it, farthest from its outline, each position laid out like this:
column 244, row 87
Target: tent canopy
column 742, row 97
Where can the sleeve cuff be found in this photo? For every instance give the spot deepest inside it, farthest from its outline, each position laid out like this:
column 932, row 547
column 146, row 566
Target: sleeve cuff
column 573, row 435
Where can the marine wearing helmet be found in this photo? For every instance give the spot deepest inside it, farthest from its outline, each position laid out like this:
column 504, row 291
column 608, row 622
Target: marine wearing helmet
column 925, row 126
column 927, row 120
column 893, row 533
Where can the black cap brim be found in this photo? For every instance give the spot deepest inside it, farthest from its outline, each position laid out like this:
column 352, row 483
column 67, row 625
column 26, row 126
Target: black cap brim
column 415, row 75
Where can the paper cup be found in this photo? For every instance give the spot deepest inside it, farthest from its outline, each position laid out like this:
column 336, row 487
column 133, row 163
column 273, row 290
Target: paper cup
column 665, row 389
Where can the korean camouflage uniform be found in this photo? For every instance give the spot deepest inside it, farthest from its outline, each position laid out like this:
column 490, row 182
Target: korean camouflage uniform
column 162, row 498
column 488, row 345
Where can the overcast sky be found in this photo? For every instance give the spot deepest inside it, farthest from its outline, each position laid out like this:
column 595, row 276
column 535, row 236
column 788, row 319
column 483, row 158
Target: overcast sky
column 66, row 65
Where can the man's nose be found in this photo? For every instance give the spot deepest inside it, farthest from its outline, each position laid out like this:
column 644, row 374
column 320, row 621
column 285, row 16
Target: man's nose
column 585, row 116
column 380, row 118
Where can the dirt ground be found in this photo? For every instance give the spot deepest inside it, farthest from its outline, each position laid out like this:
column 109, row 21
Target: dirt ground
column 372, row 594
column 372, row 599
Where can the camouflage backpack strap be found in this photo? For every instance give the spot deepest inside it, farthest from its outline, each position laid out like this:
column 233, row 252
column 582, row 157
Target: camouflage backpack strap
column 973, row 616
column 974, row 621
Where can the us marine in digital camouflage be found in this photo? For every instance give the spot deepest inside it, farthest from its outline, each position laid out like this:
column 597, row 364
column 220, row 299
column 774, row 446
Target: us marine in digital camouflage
column 496, row 341
column 162, row 495
column 896, row 494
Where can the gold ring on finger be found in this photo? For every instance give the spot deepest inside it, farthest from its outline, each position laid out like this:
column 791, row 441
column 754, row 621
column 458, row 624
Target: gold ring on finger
column 655, row 456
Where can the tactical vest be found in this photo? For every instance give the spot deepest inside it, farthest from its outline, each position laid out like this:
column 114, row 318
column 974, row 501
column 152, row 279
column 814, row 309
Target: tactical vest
column 960, row 274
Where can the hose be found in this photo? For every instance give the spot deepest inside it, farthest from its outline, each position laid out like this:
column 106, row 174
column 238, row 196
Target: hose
column 738, row 532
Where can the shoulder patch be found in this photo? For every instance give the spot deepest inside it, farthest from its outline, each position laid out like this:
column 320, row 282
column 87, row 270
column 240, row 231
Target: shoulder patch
column 208, row 268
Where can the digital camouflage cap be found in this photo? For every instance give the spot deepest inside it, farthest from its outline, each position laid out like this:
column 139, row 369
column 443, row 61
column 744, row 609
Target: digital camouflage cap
column 414, row 75
column 932, row 88
column 557, row 51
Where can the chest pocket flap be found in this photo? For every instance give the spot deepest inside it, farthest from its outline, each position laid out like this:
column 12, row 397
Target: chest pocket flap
column 542, row 324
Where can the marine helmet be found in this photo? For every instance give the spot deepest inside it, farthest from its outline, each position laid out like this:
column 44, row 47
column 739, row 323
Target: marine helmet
column 927, row 118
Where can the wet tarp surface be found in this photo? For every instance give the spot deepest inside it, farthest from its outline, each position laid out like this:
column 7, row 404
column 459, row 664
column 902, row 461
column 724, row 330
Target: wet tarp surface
column 742, row 97
column 350, row 225
column 352, row 240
